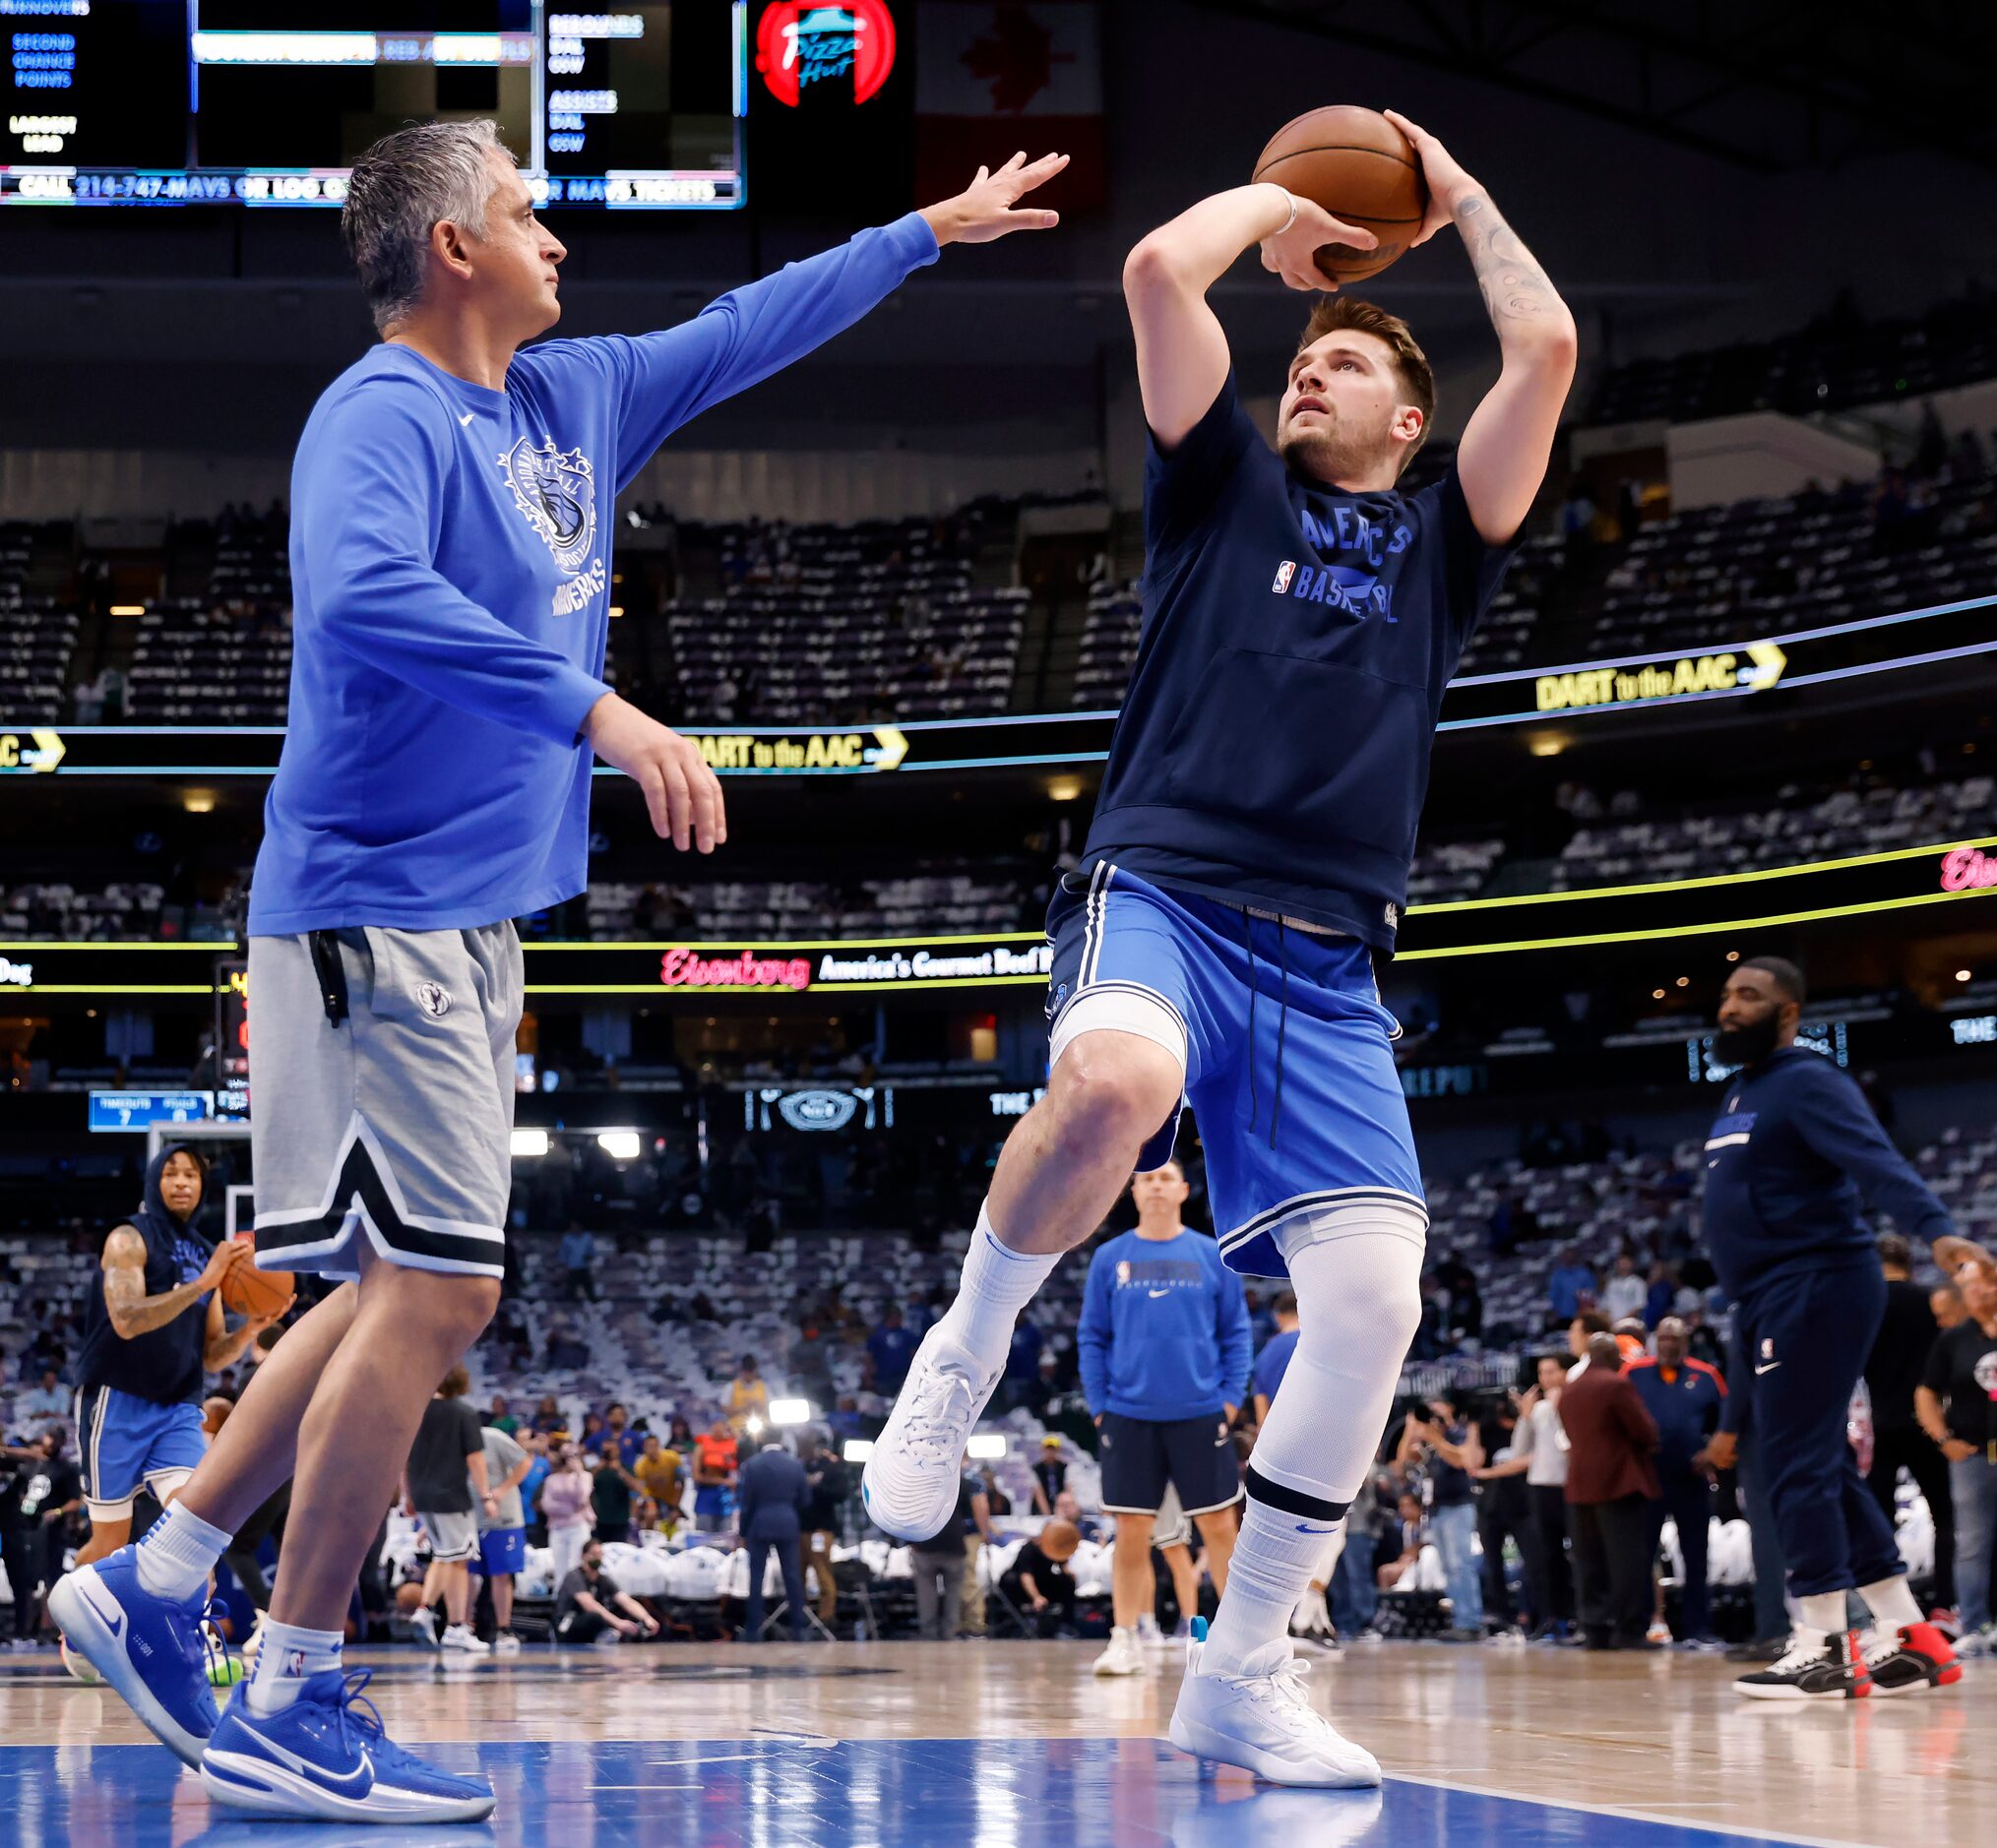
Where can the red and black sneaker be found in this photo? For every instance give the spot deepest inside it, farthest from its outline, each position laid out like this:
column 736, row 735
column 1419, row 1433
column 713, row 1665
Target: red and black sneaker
column 1834, row 1671
column 1914, row 1657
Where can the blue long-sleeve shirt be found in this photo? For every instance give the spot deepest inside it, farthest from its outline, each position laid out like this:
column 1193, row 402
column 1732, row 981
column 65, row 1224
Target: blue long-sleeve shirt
column 450, row 575
column 1785, row 1162
column 1687, row 1401
column 1164, row 1329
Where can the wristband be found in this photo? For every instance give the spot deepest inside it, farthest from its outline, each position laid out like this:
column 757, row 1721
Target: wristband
column 1291, row 197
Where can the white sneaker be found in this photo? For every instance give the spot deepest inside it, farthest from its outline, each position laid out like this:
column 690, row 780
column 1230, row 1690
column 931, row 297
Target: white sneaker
column 506, row 1643
column 1121, row 1657
column 1147, row 1632
column 423, row 1626
column 909, row 1484
column 459, row 1637
column 1262, row 1720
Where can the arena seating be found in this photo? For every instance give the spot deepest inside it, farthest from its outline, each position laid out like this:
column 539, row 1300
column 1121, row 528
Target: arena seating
column 1839, row 361
column 813, row 624
column 946, row 899
column 37, row 638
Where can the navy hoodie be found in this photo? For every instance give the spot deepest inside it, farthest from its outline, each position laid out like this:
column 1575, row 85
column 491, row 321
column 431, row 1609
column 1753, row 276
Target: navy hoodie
column 1273, row 748
column 163, row 1365
column 1785, row 1164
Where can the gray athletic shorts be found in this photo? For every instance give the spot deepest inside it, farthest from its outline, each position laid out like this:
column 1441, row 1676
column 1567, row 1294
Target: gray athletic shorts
column 454, row 1538
column 394, row 1124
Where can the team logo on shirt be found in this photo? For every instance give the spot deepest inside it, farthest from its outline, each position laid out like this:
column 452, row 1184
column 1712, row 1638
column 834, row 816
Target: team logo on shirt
column 557, row 492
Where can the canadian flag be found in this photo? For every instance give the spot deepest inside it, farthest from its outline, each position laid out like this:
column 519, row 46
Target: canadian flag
column 1007, row 75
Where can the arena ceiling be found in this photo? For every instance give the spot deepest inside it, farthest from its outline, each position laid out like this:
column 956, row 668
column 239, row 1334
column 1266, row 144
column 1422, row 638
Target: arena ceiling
column 1766, row 84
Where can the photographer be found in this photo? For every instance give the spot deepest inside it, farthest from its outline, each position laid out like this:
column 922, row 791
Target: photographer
column 1446, row 1449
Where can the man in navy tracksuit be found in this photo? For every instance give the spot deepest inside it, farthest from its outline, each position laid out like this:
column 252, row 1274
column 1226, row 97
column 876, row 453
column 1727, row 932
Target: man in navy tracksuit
column 1165, row 1347
column 1784, row 1229
column 1685, row 1396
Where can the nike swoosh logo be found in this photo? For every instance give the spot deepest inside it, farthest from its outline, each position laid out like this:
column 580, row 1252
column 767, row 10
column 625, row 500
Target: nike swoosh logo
column 1156, row 1294
column 1769, row 1367
column 305, row 1768
column 1305, row 1527
column 467, row 416
column 113, row 1619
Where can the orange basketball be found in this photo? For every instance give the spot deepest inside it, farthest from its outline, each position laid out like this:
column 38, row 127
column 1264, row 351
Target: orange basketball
column 1359, row 168
column 248, row 1291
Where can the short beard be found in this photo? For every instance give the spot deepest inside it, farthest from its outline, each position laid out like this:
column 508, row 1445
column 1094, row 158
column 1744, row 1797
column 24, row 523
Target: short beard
column 1747, row 1045
column 1329, row 455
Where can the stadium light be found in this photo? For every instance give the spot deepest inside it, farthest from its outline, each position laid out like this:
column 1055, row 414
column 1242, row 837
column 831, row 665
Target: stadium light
column 987, row 1448
column 857, row 1450
column 753, row 1425
column 620, row 1144
column 531, row 1143
column 790, row 1411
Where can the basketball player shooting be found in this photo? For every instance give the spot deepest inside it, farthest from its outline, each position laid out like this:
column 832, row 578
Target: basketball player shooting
column 1248, row 859
column 450, row 564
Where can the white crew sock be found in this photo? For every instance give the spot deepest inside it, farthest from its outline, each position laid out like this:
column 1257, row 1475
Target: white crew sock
column 998, row 1282
column 178, row 1553
column 1821, row 1612
column 1891, row 1603
column 286, row 1655
column 1356, row 1272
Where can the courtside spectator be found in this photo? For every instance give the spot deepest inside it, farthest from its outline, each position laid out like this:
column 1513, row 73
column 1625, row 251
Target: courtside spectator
column 1625, row 1293
column 617, row 1437
column 547, row 1417
column 831, row 1481
column 568, row 1506
column 809, row 1360
column 47, row 1399
column 1906, row 1337
column 775, row 1494
column 444, row 1486
column 590, row 1607
column 498, row 1418
column 1410, row 1535
column 715, row 1457
column 1539, row 1454
column 659, row 1473
column 1685, row 1398
column 1450, row 1451
column 1050, row 1476
column 1610, row 1482
column 1038, row 1582
column 35, row 1485
column 1274, row 1360
column 611, row 1490
column 938, row 1563
column 1957, row 1407
column 502, row 1528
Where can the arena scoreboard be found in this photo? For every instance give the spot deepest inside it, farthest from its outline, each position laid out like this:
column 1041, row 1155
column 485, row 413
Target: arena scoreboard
column 183, row 103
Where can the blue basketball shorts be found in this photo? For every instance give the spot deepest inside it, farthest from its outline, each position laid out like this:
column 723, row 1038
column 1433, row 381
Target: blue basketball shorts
column 502, row 1550
column 129, row 1443
column 1287, row 1051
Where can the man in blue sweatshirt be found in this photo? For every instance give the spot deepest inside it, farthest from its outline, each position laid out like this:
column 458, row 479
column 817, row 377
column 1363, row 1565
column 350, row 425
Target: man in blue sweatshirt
column 451, row 544
column 1165, row 1347
column 1246, row 865
column 1686, row 1397
column 1784, row 1161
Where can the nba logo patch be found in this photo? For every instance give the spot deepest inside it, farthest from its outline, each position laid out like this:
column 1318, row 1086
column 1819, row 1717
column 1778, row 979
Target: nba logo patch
column 294, row 1664
column 1284, row 572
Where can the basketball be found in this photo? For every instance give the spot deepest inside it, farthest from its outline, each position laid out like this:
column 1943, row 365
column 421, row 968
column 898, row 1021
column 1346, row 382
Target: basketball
column 248, row 1291
column 1359, row 168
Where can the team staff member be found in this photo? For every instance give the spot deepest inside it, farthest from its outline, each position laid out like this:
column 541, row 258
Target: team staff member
column 1784, row 1160
column 1164, row 1348
column 1684, row 1396
column 452, row 523
column 1896, row 1367
column 502, row 1528
column 1956, row 1402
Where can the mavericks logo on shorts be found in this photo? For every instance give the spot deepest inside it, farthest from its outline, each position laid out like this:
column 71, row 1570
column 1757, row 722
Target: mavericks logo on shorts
column 433, row 998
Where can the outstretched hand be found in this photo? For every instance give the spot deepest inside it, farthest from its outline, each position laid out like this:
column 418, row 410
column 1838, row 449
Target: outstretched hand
column 989, row 208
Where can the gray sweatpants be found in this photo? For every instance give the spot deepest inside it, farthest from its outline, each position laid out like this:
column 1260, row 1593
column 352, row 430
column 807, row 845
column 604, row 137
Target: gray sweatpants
column 395, row 1123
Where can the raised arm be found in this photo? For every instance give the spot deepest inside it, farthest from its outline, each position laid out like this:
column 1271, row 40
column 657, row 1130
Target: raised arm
column 1181, row 348
column 1834, row 1117
column 1509, row 439
column 131, row 1309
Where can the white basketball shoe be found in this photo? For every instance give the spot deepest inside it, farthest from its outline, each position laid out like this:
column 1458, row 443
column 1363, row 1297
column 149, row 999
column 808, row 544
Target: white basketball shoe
column 1262, row 1720
column 1121, row 1657
column 909, row 1484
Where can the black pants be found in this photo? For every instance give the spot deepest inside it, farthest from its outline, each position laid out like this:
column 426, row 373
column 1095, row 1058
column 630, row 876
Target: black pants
column 20, row 1553
column 1688, row 1501
column 791, row 1562
column 1499, row 1515
column 1909, row 1444
column 581, row 1625
column 240, row 1556
column 1548, row 1582
column 1612, row 1569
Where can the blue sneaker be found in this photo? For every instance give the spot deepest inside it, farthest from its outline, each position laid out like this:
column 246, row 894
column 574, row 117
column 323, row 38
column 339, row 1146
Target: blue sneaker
column 325, row 1759
column 149, row 1649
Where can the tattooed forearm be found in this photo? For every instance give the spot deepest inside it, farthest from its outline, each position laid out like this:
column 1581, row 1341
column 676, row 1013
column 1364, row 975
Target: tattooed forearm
column 1517, row 294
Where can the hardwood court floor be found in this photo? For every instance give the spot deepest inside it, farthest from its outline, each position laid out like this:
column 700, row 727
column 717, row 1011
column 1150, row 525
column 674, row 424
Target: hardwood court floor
column 1016, row 1744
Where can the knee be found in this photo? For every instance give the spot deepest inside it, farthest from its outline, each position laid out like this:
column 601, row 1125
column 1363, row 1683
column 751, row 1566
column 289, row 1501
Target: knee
column 470, row 1305
column 1112, row 1092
